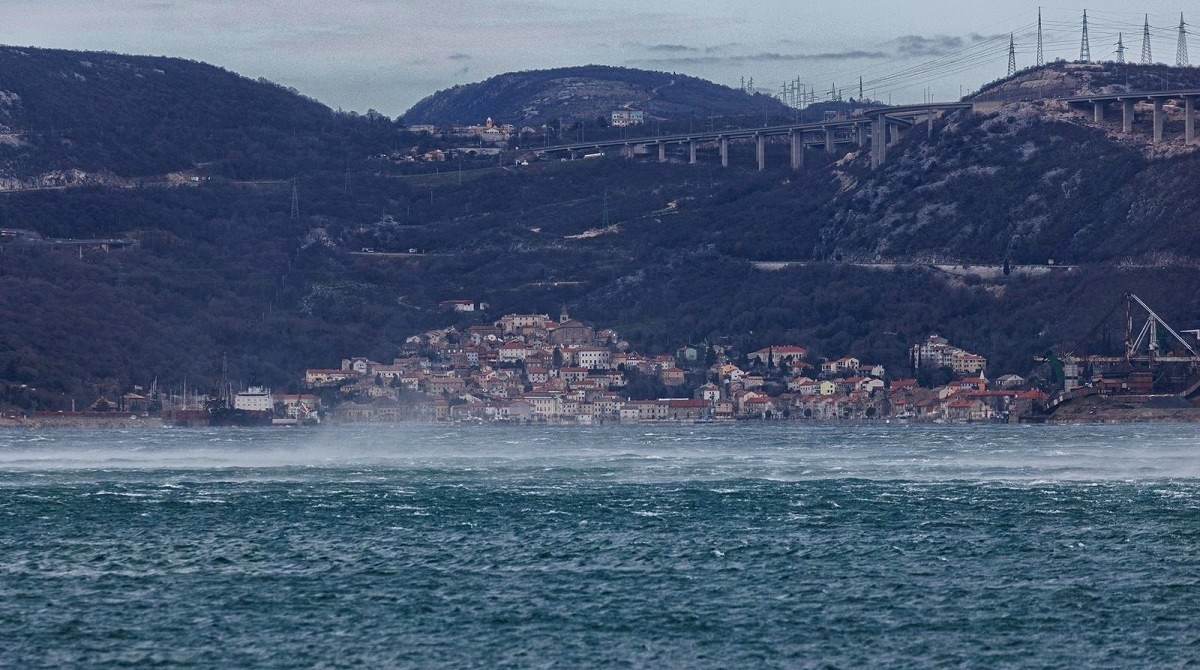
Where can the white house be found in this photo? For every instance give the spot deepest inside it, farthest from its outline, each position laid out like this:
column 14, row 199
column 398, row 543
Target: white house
column 593, row 358
column 513, row 352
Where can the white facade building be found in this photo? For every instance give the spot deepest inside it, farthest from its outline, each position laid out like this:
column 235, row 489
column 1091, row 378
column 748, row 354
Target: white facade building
column 254, row 399
column 593, row 358
column 626, row 117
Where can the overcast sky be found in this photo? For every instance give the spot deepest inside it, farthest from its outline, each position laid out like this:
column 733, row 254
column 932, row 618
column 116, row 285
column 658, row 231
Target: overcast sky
column 387, row 54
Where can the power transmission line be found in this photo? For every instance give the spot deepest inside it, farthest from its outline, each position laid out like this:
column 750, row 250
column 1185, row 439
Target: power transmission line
column 1147, row 58
column 1057, row 38
column 1085, row 47
column 1181, row 56
column 1041, row 59
column 1012, row 56
column 295, row 201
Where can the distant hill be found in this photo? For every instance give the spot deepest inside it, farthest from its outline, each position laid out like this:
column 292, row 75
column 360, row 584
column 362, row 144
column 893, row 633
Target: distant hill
column 1063, row 79
column 587, row 92
column 103, row 116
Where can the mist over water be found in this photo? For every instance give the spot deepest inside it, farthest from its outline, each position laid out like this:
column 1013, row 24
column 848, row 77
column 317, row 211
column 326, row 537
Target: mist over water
column 631, row 546
column 626, row 453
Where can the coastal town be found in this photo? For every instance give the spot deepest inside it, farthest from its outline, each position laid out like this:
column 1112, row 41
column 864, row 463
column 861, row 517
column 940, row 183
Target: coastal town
column 534, row 368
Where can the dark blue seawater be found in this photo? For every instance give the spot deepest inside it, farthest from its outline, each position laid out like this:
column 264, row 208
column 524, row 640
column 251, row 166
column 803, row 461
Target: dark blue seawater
column 613, row 547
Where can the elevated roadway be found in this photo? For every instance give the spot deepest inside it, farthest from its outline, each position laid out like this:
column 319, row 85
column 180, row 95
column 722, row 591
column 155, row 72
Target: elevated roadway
column 878, row 127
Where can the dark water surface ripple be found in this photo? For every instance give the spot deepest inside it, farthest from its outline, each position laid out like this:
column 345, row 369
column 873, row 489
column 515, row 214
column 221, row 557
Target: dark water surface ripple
column 621, row 547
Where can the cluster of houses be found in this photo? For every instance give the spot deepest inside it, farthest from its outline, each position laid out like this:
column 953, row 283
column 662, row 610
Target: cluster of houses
column 936, row 352
column 531, row 368
column 489, row 138
column 488, row 133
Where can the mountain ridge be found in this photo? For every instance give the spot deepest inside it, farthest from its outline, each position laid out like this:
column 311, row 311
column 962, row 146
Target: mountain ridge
column 585, row 93
column 112, row 115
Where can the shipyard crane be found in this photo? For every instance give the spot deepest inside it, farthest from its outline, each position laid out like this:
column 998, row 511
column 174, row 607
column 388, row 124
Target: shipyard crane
column 1154, row 354
column 1146, row 346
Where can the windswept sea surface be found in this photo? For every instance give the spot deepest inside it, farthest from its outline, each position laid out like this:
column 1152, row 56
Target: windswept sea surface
column 611, row 547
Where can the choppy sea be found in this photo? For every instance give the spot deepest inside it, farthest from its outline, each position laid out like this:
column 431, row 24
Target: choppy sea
column 778, row 546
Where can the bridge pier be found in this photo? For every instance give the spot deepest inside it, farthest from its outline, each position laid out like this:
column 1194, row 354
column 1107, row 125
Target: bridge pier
column 1189, row 120
column 860, row 133
column 797, row 149
column 692, row 152
column 1098, row 111
column 829, row 148
column 878, row 141
column 662, row 152
column 1158, row 120
column 724, row 152
column 1127, row 116
column 760, row 150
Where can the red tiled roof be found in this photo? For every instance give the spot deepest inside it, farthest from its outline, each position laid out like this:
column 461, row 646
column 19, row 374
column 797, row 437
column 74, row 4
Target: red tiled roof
column 682, row 404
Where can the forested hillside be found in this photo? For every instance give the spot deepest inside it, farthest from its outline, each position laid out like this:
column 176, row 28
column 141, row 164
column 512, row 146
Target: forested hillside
column 665, row 253
column 585, row 93
column 1021, row 184
column 116, row 116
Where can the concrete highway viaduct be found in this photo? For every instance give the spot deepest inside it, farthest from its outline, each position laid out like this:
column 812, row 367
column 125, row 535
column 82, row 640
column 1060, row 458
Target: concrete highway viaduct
column 1098, row 104
column 877, row 128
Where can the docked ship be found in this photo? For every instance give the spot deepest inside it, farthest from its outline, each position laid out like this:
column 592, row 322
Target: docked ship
column 253, row 407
